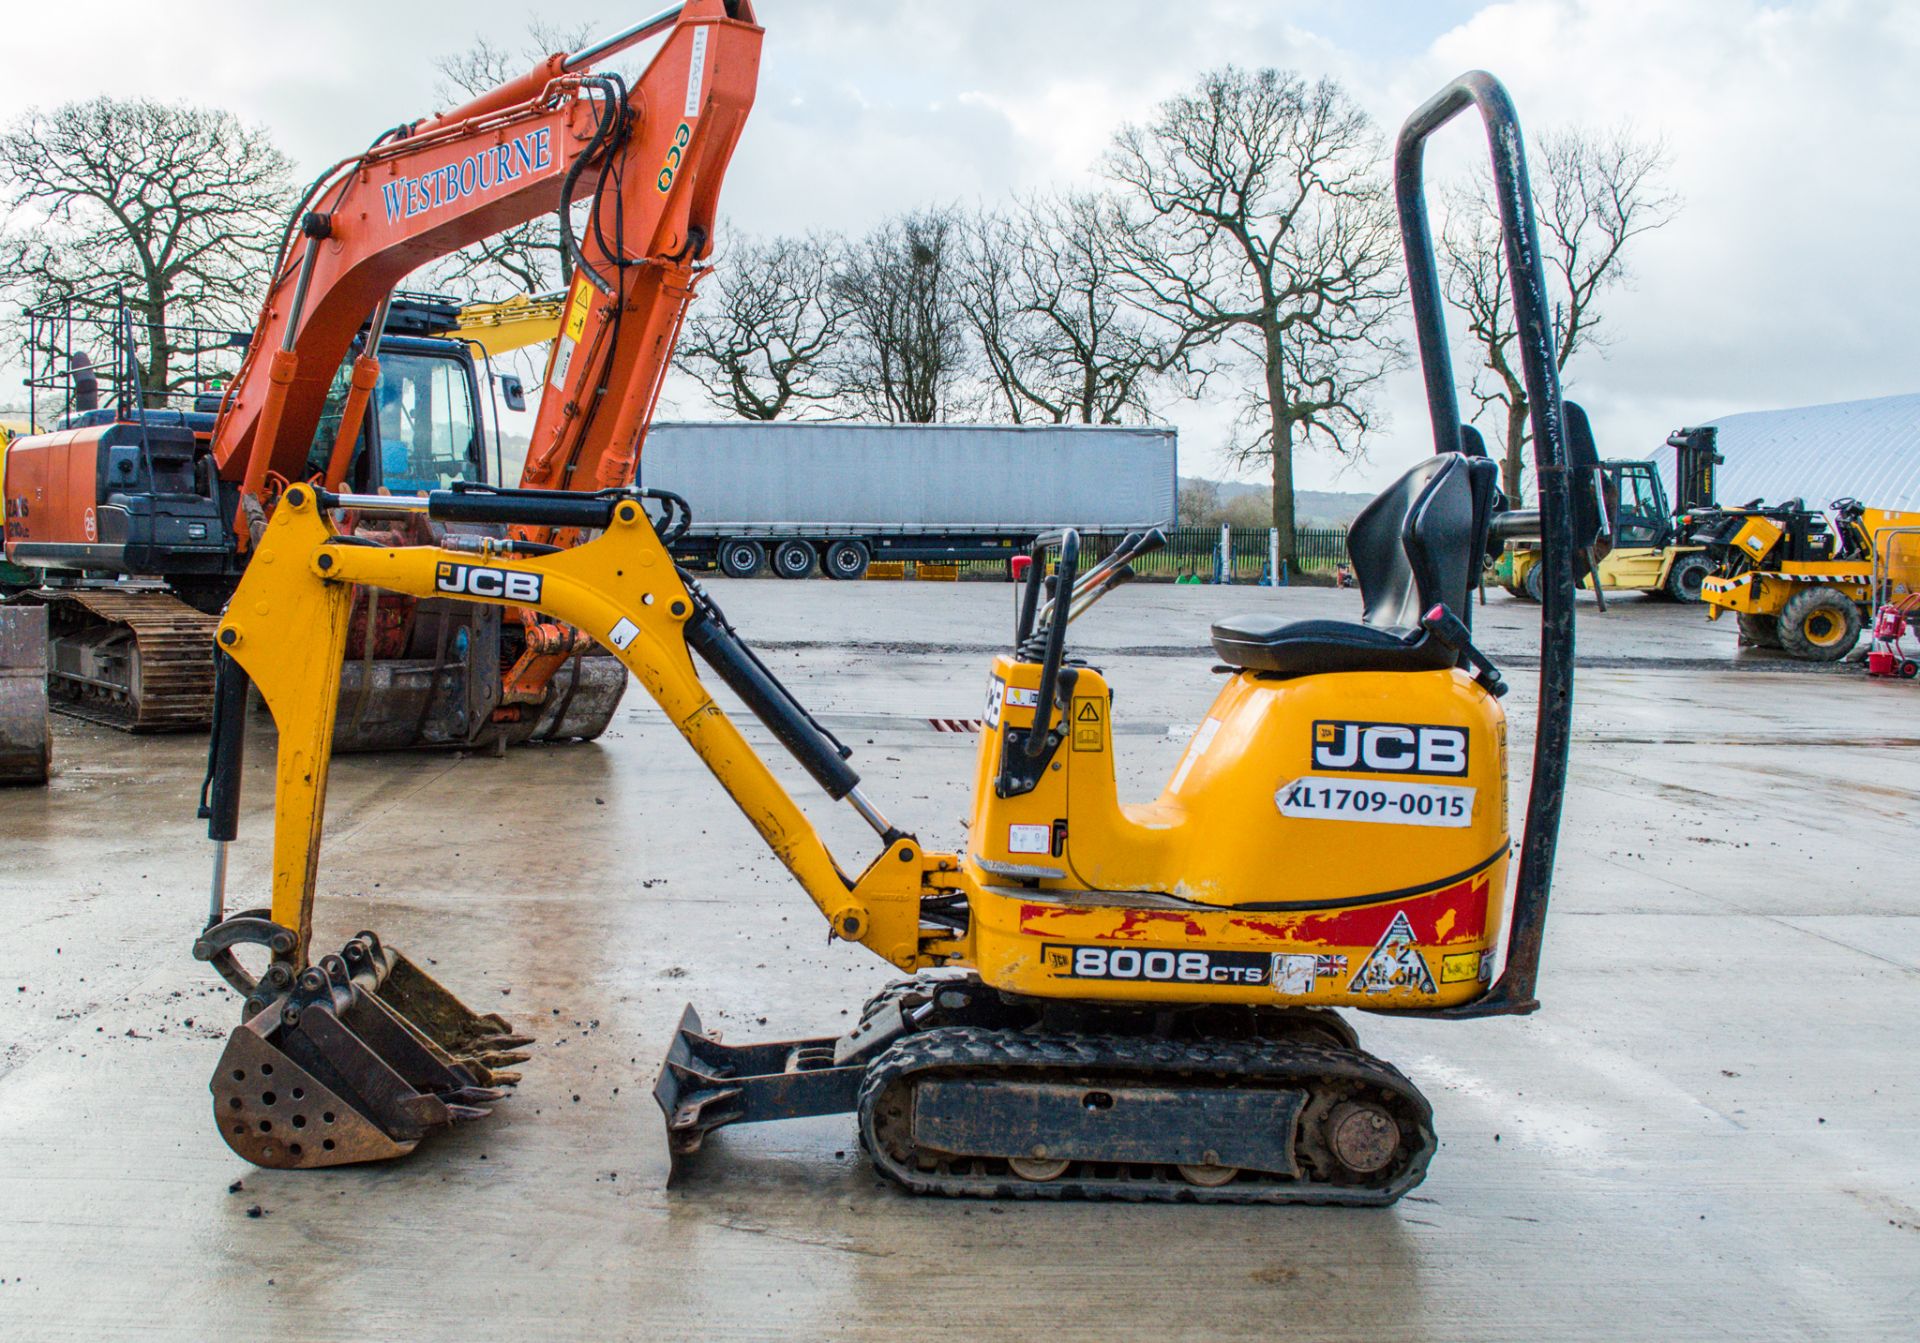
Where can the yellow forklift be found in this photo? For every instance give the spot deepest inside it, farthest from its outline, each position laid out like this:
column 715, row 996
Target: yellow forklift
column 1657, row 547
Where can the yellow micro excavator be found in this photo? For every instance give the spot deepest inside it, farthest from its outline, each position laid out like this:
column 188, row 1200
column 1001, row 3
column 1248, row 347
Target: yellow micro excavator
column 1112, row 1000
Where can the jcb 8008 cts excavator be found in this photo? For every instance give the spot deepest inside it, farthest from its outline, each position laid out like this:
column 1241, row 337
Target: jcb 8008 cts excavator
column 1112, row 1000
column 337, row 392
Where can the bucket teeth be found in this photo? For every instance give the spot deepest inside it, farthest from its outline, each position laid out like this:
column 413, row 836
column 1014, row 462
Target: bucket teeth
column 366, row 1055
column 418, row 997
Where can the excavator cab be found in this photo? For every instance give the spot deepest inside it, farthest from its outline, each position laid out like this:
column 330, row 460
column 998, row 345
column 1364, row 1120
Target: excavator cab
column 136, row 553
column 423, row 430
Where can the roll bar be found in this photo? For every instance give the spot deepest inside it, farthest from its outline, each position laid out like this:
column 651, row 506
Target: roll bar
column 1533, row 321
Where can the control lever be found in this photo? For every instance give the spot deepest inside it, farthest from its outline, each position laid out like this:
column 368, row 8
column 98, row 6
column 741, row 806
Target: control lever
column 1091, row 593
column 1098, row 581
column 1111, row 560
column 1451, row 631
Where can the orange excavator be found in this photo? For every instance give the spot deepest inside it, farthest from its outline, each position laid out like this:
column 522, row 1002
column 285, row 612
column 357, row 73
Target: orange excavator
column 167, row 504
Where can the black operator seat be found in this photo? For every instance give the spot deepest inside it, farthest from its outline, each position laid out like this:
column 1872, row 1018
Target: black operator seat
column 1419, row 544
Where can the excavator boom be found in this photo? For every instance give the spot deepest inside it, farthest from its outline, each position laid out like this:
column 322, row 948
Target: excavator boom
column 634, row 168
column 649, row 158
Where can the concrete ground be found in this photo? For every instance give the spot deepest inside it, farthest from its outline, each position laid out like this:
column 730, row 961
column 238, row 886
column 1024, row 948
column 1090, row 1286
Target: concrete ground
column 1709, row 1131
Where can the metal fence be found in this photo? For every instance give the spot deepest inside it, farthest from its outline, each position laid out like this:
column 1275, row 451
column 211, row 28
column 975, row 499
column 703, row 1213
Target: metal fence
column 1199, row 554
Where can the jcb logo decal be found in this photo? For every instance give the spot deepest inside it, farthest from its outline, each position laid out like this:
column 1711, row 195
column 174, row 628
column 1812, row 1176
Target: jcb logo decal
column 1389, row 748
column 471, row 580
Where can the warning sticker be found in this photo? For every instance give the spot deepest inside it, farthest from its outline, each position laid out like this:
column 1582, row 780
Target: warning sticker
column 1295, row 973
column 577, row 310
column 1089, row 717
column 1457, row 967
column 623, row 634
column 1395, row 963
column 1029, row 839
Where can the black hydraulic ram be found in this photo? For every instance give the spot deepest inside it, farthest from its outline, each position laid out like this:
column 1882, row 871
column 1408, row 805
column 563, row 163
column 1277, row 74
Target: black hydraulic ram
column 226, row 756
column 710, row 636
column 533, row 508
column 1514, row 993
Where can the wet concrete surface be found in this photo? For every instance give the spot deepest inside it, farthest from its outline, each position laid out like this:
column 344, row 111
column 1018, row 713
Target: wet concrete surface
column 1708, row 1132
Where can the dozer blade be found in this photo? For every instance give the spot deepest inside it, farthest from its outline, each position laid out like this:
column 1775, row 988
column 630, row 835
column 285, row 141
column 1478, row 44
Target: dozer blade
column 705, row 1085
column 26, row 746
column 339, row 1071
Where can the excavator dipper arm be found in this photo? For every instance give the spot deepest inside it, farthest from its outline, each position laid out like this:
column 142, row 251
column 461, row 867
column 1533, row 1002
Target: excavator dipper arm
column 356, row 1055
column 624, row 590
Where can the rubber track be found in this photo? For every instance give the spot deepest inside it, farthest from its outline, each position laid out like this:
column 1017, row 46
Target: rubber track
column 1123, row 1059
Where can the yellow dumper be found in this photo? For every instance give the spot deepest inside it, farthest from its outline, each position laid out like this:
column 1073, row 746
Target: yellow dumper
column 1800, row 582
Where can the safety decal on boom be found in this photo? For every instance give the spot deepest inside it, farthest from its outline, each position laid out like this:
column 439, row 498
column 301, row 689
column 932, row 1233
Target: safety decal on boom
column 1394, row 963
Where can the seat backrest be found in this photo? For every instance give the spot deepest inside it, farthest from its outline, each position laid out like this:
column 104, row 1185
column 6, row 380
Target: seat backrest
column 1420, row 541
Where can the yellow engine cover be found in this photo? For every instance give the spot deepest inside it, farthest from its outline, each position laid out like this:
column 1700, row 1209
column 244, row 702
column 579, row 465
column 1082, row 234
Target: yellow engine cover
column 1757, row 536
column 1334, row 839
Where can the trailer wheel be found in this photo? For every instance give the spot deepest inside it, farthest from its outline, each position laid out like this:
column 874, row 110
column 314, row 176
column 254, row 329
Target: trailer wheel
column 1760, row 631
column 793, row 559
column 1687, row 577
column 1819, row 625
column 741, row 558
column 847, row 560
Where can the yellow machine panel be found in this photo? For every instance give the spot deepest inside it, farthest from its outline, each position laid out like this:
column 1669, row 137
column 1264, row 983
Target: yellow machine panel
column 1277, row 858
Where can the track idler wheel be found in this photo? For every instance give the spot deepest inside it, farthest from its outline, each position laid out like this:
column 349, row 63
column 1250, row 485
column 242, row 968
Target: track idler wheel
column 341, row 1069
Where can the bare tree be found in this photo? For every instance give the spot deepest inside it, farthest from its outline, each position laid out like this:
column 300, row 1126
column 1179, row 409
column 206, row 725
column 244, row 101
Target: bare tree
column 904, row 355
column 1198, row 504
column 177, row 211
column 762, row 336
column 1259, row 228
column 524, row 258
column 1593, row 194
column 1058, row 339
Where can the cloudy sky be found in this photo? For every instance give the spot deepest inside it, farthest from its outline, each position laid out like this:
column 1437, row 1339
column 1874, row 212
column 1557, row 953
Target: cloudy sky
column 1789, row 278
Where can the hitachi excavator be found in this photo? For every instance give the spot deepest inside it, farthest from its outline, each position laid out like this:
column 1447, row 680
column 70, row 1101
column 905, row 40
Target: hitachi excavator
column 348, row 387
column 1110, row 999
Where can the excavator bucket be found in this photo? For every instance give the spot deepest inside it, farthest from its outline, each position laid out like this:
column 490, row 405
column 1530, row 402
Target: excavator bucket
column 26, row 747
column 366, row 1055
column 428, row 675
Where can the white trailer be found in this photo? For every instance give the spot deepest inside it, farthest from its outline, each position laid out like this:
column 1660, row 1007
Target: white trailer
column 800, row 497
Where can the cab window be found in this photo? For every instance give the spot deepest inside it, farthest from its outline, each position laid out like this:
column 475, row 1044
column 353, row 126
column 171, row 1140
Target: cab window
column 1637, row 494
column 424, row 410
column 332, row 411
column 1640, row 508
